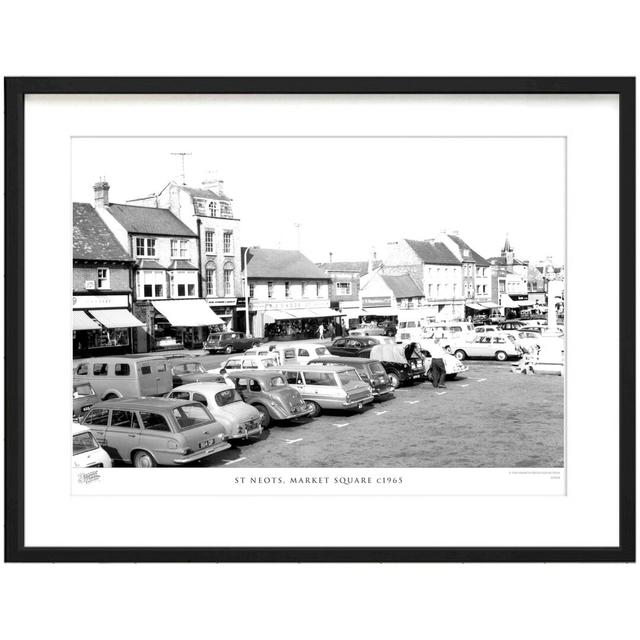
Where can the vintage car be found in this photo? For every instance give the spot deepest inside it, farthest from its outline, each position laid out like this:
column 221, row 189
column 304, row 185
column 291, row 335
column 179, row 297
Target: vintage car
column 148, row 432
column 328, row 387
column 269, row 393
column 83, row 398
column 191, row 370
column 500, row 346
column 452, row 365
column 300, row 353
column 86, row 450
column 402, row 364
column 127, row 376
column 239, row 419
column 371, row 371
column 357, row 347
column 385, row 328
column 229, row 342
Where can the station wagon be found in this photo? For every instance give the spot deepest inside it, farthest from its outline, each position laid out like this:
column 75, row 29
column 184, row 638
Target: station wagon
column 371, row 371
column 156, row 431
column 329, row 387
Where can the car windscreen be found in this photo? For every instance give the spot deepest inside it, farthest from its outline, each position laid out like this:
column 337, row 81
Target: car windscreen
column 83, row 442
column 191, row 415
column 322, row 351
column 228, row 396
column 190, row 367
column 83, row 390
column 278, row 381
column 348, row 376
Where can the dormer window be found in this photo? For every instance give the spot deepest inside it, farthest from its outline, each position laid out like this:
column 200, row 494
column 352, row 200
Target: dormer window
column 199, row 206
column 213, row 208
column 225, row 210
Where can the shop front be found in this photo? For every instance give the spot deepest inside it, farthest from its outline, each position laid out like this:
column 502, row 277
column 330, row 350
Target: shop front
column 298, row 323
column 182, row 324
column 227, row 310
column 102, row 325
column 475, row 310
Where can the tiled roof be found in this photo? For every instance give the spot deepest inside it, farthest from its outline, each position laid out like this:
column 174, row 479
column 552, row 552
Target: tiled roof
column 203, row 193
column 149, row 220
column 479, row 260
column 150, row 264
column 92, row 239
column 282, row 263
column 182, row 265
column 359, row 267
column 432, row 252
column 403, row 286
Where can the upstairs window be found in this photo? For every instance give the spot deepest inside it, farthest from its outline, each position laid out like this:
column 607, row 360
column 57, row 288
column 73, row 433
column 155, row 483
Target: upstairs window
column 209, row 241
column 146, row 247
column 227, row 242
column 184, row 248
column 199, row 206
column 103, row 279
column 287, row 289
column 213, row 208
column 174, row 248
column 210, row 279
column 343, row 288
column 269, row 289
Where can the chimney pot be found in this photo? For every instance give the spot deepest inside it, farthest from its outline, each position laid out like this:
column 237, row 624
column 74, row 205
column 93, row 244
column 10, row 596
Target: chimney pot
column 101, row 193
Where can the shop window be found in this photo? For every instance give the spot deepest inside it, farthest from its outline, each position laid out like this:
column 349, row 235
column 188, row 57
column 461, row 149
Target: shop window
column 107, row 338
column 100, row 369
column 122, row 369
column 209, row 241
column 103, row 279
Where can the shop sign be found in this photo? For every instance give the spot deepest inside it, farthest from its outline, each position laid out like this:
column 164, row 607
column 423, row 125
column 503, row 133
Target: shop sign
column 377, row 301
column 519, row 296
column 222, row 302
column 303, row 304
column 100, row 302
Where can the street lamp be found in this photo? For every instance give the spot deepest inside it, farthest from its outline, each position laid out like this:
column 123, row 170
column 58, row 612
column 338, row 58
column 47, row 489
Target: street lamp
column 246, row 289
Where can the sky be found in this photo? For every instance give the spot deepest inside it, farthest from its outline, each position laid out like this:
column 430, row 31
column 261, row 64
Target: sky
column 350, row 196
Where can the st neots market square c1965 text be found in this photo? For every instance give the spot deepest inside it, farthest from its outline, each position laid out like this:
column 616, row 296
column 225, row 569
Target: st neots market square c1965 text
column 345, row 480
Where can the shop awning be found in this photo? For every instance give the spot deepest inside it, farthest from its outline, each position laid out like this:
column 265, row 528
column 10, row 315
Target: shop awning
column 82, row 322
column 327, row 313
column 275, row 314
column 490, row 305
column 115, row 318
column 475, row 306
column 187, row 313
column 380, row 311
column 509, row 303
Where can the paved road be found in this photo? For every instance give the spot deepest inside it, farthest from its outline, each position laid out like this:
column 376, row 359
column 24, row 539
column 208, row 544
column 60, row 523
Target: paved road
column 489, row 418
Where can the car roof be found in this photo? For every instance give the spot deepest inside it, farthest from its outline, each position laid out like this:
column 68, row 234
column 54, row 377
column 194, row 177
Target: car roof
column 124, row 356
column 254, row 373
column 142, row 403
column 339, row 368
column 204, row 387
column 190, row 360
column 344, row 361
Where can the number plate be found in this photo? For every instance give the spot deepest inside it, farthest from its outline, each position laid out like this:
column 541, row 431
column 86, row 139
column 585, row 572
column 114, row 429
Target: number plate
column 206, row 443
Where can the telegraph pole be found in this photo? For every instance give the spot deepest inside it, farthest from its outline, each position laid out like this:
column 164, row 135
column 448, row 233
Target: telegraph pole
column 182, row 154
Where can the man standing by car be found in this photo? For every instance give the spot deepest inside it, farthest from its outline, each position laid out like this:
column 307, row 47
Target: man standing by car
column 438, row 371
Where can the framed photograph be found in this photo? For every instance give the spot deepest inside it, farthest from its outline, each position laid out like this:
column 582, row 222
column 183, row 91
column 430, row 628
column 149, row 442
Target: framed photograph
column 320, row 319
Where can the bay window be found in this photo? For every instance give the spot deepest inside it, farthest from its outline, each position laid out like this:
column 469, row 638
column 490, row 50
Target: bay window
column 183, row 283
column 151, row 284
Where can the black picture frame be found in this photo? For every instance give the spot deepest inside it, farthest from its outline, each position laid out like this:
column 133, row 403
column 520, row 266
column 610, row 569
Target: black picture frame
column 15, row 91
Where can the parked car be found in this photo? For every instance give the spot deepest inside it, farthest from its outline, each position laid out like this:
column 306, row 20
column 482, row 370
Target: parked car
column 385, row 328
column 371, row 371
column 446, row 330
column 452, row 365
column 299, row 353
column 355, row 347
column 156, row 431
column 192, row 370
column 86, row 450
column 242, row 362
column 229, row 342
column 328, row 387
column 128, row 376
column 83, row 398
column 403, row 365
column 270, row 394
column 239, row 419
column 512, row 325
column 501, row 347
column 495, row 317
column 486, row 328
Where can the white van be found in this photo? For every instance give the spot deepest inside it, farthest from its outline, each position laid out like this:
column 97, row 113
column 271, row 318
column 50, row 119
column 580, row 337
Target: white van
column 449, row 330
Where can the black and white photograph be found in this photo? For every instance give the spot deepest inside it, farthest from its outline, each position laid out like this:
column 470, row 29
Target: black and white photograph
column 319, row 302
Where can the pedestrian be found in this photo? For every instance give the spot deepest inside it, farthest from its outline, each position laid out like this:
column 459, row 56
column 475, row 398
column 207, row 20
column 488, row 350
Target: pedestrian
column 331, row 332
column 321, row 331
column 438, row 371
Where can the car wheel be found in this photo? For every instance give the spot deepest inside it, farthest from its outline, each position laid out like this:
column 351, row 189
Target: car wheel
column 315, row 409
column 394, row 379
column 501, row 356
column 144, row 460
column 460, row 354
column 265, row 418
column 229, row 349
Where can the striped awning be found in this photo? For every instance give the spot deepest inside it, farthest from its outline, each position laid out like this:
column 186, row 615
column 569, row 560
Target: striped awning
column 82, row 322
column 115, row 318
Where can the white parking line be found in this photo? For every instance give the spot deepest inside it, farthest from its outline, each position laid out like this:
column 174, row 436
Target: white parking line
column 481, row 379
column 412, row 401
column 344, row 424
column 292, row 441
column 379, row 413
column 234, row 461
column 440, row 393
column 463, row 385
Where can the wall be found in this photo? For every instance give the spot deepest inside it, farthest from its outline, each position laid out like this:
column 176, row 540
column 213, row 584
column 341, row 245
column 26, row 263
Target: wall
column 261, row 292
column 119, row 277
column 399, row 258
column 344, row 276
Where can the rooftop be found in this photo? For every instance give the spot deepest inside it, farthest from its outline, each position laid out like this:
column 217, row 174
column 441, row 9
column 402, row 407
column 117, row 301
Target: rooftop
column 149, row 220
column 432, row 252
column 403, row 286
column 479, row 260
column 359, row 267
column 195, row 192
column 92, row 239
column 282, row 263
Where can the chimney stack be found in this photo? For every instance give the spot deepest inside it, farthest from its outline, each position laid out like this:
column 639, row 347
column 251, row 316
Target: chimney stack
column 330, row 256
column 101, row 193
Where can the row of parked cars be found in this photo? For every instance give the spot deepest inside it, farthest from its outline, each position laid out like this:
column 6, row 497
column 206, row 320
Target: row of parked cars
column 171, row 410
